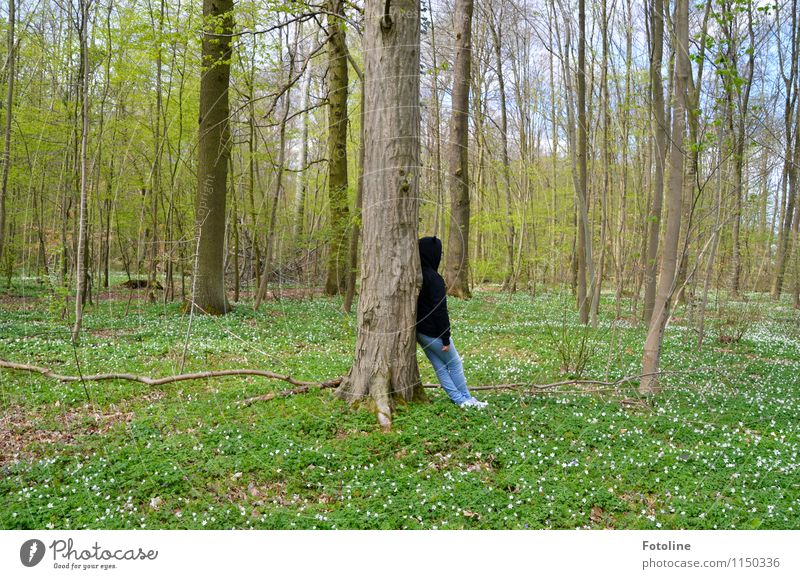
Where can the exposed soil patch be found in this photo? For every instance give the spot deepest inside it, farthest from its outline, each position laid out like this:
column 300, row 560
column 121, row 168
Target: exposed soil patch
column 23, row 433
column 601, row 518
column 637, row 500
column 20, row 302
column 110, row 332
column 287, row 293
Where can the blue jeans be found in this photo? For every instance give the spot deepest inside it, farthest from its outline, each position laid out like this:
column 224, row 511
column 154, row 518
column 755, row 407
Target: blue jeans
column 447, row 366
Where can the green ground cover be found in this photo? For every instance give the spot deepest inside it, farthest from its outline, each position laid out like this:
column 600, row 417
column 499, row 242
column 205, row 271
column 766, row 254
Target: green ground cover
column 717, row 449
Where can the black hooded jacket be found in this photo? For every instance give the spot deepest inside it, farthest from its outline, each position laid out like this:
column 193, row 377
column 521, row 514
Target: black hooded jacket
column 432, row 318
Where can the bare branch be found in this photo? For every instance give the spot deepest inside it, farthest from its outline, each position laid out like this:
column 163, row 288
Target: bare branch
column 167, row 379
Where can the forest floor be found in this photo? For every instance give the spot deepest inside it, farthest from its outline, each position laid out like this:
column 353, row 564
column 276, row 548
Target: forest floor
column 719, row 448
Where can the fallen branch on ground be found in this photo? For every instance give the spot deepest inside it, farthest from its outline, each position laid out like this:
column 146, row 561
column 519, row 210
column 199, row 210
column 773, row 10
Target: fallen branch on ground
column 303, row 387
column 537, row 388
column 167, row 379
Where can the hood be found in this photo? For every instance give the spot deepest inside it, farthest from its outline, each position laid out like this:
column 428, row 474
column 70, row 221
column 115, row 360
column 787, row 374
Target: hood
column 430, row 252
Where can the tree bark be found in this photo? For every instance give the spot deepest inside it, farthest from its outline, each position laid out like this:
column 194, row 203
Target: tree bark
column 385, row 364
column 784, row 232
column 9, row 119
column 586, row 277
column 659, row 155
column 619, row 250
column 457, row 270
column 355, row 231
column 301, row 185
column 439, row 210
column 336, row 281
column 208, row 295
column 738, row 134
column 509, row 281
column 155, row 183
column 606, row 148
column 80, row 257
column 666, row 285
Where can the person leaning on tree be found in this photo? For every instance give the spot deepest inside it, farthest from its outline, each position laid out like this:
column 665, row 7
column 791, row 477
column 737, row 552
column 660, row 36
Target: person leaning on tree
column 433, row 327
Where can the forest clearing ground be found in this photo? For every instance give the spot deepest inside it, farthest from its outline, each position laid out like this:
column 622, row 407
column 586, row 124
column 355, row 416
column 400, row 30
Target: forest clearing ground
column 719, row 448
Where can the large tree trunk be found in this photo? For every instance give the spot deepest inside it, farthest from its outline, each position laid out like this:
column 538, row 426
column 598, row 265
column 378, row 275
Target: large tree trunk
column 457, row 275
column 337, row 150
column 212, row 164
column 659, row 154
column 666, row 283
column 385, row 364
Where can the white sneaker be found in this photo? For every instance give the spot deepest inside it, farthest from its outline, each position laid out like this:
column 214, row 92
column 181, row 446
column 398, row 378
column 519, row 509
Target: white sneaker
column 473, row 403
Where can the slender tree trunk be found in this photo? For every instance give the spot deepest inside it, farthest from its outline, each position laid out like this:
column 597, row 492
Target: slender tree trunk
column 9, row 120
column 584, row 250
column 385, row 364
column 251, row 166
column 556, row 272
column 107, row 243
column 336, row 281
column 619, row 255
column 302, row 173
column 739, row 136
column 38, row 212
column 784, row 233
column 508, row 282
column 208, row 295
column 659, row 125
column 80, row 258
column 666, row 285
column 439, row 211
column 794, row 181
column 606, row 148
column 155, row 185
column 709, row 273
column 793, row 197
column 457, row 271
column 355, row 230
column 278, row 189
column 235, row 232
column 695, row 137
